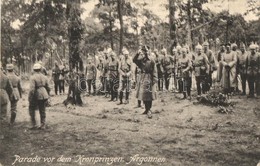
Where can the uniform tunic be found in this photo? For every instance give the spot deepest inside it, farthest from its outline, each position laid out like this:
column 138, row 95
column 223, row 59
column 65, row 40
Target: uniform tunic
column 229, row 76
column 6, row 93
column 16, row 83
column 148, row 79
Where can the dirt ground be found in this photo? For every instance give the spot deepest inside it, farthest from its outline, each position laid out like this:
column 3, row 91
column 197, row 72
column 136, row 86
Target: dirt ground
column 180, row 133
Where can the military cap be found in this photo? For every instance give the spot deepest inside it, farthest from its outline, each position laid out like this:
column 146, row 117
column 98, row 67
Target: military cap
column 198, row 46
column 205, row 44
column 252, row 47
column 37, row 66
column 233, row 45
column 125, row 52
column 178, row 47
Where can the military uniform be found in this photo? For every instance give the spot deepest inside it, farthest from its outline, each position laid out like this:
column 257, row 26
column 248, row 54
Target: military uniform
column 38, row 95
column 200, row 65
column 113, row 77
column 125, row 67
column 253, row 71
column 91, row 73
column 6, row 94
column 242, row 57
column 167, row 69
column 184, row 68
column 147, row 89
column 211, row 66
column 229, row 76
column 17, row 91
column 158, row 62
column 56, row 77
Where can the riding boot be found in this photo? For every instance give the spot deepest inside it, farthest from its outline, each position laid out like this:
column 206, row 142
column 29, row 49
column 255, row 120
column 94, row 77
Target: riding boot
column 13, row 116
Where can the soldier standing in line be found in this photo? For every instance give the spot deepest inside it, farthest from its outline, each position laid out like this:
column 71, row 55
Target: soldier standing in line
column 148, row 81
column 38, row 95
column 229, row 76
column 158, row 62
column 212, row 65
column 253, row 69
column 125, row 72
column 55, row 76
column 105, row 74
column 221, row 52
column 113, row 76
column 200, row 65
column 91, row 73
column 242, row 56
column 166, row 64
column 184, row 67
column 17, row 91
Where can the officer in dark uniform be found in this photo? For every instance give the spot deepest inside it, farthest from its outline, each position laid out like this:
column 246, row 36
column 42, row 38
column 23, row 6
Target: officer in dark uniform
column 17, row 90
column 38, row 95
column 253, row 68
column 125, row 72
column 113, row 76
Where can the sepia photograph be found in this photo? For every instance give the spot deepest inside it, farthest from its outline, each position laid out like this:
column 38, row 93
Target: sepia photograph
column 130, row 82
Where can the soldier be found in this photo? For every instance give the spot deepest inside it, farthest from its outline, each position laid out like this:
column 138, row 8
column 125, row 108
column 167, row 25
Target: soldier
column 167, row 70
column 147, row 88
column 62, row 77
column 212, row 65
column 184, row 67
column 113, row 76
column 200, row 65
column 177, row 75
column 229, row 76
column 91, row 73
column 125, row 72
column 158, row 62
column 242, row 56
column 17, row 91
column 55, row 76
column 253, row 69
column 105, row 71
column 221, row 52
column 173, row 80
column 39, row 92
column 6, row 94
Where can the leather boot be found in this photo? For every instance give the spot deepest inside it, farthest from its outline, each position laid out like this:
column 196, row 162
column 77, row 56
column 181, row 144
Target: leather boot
column 13, row 116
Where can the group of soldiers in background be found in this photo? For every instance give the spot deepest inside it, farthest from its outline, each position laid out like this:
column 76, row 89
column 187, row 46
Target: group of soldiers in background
column 147, row 72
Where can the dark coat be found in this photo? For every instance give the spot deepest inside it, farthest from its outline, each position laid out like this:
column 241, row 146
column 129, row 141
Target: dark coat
column 146, row 87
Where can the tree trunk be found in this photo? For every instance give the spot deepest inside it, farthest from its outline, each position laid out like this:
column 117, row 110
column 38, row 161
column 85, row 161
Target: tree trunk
column 111, row 31
column 189, row 40
column 74, row 33
column 120, row 15
column 173, row 36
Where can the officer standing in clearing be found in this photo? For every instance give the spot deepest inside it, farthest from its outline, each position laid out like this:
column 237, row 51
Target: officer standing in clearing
column 39, row 93
column 17, row 91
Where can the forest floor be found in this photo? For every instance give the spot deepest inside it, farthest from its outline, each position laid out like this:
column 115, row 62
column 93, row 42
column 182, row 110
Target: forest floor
column 181, row 132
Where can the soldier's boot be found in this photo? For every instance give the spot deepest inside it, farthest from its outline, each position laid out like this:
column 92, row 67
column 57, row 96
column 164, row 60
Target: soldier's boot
column 13, row 116
column 127, row 98
column 120, row 98
column 184, row 95
column 43, row 126
column 33, row 122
